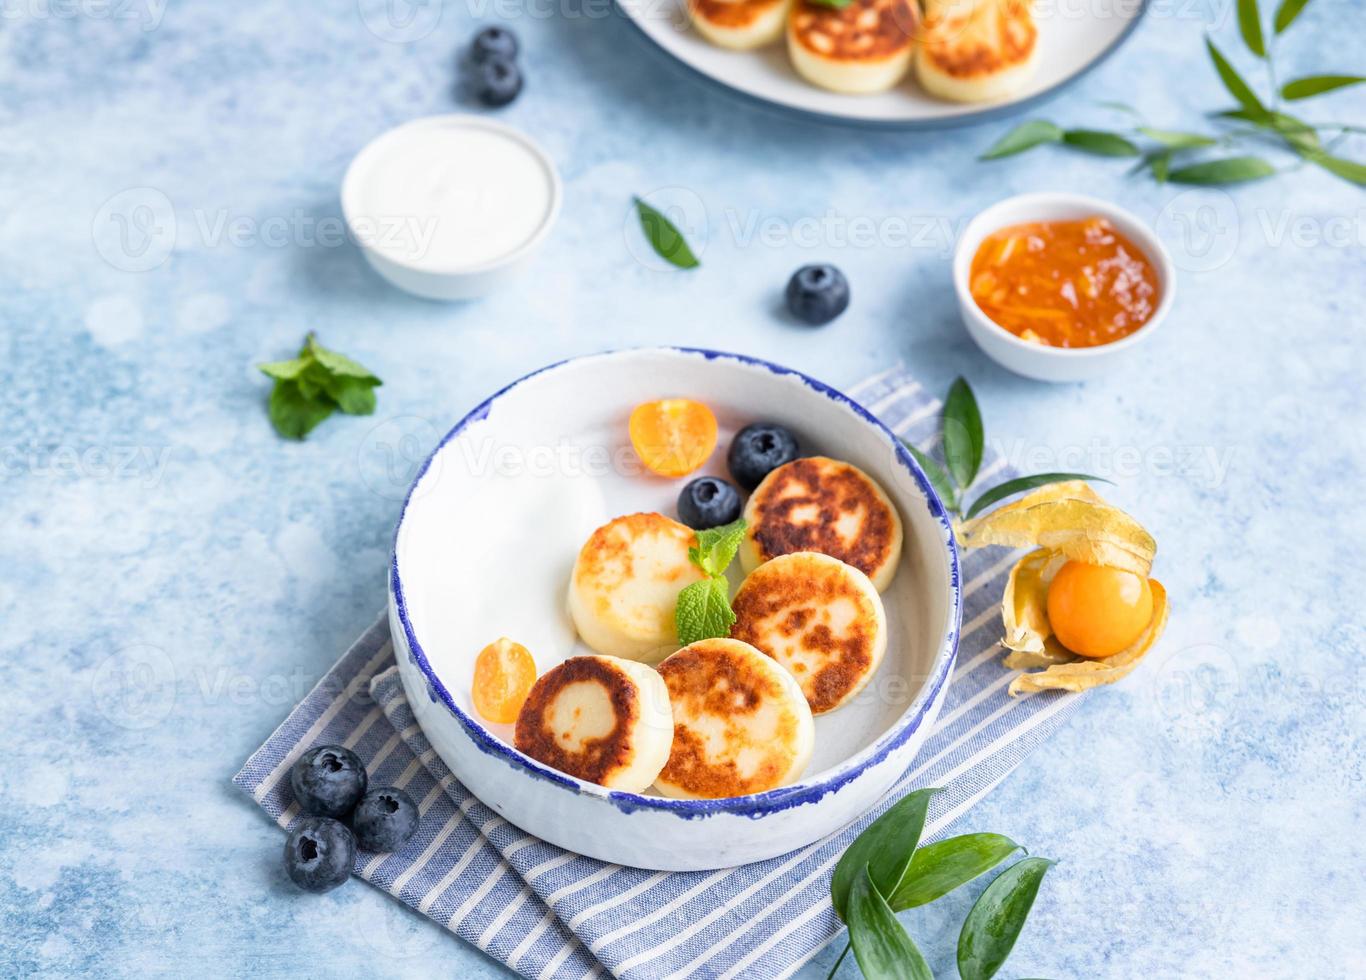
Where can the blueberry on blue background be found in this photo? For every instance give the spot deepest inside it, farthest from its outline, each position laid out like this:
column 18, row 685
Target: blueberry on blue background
column 384, row 819
column 494, row 42
column 816, row 294
column 498, row 81
column 319, row 853
column 759, row 449
column 708, row 501
column 328, row 781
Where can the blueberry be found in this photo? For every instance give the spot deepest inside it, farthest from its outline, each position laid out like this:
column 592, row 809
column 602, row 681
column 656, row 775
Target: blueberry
column 758, row 450
column 816, row 294
column 384, row 819
column 494, row 42
column 319, row 853
column 708, row 502
column 328, row 781
column 499, row 82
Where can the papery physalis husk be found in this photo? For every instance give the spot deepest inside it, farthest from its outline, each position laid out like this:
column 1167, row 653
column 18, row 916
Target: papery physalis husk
column 1069, row 518
column 1070, row 522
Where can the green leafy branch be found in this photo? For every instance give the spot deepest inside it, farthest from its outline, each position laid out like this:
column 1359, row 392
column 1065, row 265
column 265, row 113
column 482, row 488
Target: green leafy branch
column 315, row 384
column 885, row 871
column 964, row 442
column 1167, row 153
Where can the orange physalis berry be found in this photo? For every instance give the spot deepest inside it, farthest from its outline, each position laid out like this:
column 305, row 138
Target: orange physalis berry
column 673, row 436
column 503, row 675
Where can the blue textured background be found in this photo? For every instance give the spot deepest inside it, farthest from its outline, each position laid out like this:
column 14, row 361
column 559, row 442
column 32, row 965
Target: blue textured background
column 174, row 577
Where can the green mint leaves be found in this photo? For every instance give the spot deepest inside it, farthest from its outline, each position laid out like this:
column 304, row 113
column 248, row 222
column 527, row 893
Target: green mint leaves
column 885, row 871
column 1169, row 157
column 964, row 442
column 314, row 385
column 703, row 610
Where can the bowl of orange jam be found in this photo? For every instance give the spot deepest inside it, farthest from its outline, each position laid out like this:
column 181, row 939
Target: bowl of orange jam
column 1058, row 286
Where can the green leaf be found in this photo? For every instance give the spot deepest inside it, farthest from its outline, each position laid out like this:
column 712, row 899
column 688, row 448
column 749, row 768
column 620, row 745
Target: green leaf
column 1123, row 107
column 1023, row 483
column 937, row 477
column 667, row 241
column 354, row 396
column 1346, row 169
column 964, row 440
column 1250, row 26
column 716, row 546
column 284, row 370
column 883, row 850
column 1176, row 139
column 1286, row 13
column 1231, row 170
column 338, row 363
column 881, row 945
column 293, row 415
column 1303, row 88
column 1238, row 88
column 1298, row 134
column 939, row 868
column 993, row 925
column 1100, row 143
column 1023, row 137
column 833, row 4
column 1161, row 166
column 703, row 611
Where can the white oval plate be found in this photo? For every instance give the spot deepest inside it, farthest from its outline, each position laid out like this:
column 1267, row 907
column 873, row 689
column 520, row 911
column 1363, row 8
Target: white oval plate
column 1073, row 38
column 485, row 546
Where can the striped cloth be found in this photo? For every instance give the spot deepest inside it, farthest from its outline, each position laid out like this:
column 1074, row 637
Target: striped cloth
column 548, row 913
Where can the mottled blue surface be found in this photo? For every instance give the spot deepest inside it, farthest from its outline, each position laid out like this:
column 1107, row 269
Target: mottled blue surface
column 175, row 577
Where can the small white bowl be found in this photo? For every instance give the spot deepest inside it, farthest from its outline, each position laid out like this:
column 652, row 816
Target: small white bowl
column 421, row 199
column 1040, row 361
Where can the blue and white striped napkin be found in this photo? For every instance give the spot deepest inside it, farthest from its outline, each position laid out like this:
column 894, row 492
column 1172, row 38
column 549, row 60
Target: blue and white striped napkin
column 548, row 913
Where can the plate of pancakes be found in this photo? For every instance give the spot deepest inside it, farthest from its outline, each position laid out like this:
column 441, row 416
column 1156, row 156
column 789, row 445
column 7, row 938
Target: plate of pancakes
column 902, row 64
column 535, row 520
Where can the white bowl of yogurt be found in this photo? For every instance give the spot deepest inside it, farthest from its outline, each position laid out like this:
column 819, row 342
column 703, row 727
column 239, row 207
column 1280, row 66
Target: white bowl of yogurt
column 450, row 207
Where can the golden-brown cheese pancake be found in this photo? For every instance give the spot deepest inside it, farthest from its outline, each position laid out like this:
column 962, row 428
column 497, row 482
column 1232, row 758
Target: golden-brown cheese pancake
column 862, row 48
column 741, row 723
column 977, row 50
column 739, row 24
column 625, row 585
column 602, row 719
column 825, row 505
column 820, row 618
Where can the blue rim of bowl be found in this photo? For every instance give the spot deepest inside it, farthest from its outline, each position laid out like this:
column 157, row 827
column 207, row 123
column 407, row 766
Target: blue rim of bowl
column 972, row 118
column 758, row 804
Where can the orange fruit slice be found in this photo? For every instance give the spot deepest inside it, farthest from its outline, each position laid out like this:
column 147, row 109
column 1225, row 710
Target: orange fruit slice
column 673, row 436
column 503, row 675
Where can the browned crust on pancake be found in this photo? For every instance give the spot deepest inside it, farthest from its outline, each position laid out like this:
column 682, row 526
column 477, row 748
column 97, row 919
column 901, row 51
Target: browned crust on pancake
column 707, row 677
column 601, row 755
column 767, row 592
column 608, row 545
column 865, row 30
column 733, row 14
column 833, row 491
column 961, row 57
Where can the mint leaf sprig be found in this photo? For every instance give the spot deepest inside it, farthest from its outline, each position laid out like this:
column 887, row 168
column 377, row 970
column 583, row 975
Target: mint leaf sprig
column 964, row 442
column 664, row 237
column 703, row 610
column 885, row 871
column 315, row 384
column 1159, row 150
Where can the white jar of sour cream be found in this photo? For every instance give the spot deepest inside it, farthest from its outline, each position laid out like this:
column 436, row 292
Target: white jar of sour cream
column 448, row 207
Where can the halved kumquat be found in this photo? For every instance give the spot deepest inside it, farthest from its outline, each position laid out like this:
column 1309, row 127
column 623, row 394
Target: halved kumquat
column 673, row 436
column 503, row 675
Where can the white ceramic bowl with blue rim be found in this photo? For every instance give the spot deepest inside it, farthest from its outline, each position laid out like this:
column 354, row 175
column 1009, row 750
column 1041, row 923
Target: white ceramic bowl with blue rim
column 484, row 548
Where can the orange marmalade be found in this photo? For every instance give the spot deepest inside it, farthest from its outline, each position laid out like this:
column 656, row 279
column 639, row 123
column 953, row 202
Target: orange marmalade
column 1064, row 283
